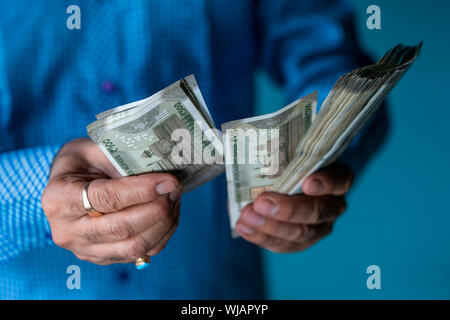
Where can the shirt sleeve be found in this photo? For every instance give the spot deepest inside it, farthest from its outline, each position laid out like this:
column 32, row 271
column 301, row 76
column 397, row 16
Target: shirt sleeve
column 23, row 224
column 306, row 46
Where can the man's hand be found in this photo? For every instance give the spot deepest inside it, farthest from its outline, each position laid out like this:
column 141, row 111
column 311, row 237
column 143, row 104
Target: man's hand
column 140, row 212
column 282, row 223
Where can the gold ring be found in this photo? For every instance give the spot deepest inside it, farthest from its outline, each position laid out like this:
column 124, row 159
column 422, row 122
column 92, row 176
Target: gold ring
column 142, row 262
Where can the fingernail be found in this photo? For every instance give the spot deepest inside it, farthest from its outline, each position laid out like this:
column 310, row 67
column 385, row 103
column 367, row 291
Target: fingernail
column 253, row 219
column 243, row 228
column 315, row 186
column 166, row 187
column 175, row 195
column 266, row 207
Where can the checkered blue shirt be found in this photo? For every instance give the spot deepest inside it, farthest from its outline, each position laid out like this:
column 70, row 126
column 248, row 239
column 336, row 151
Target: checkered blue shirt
column 53, row 80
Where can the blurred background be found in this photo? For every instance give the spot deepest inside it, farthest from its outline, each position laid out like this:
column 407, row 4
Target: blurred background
column 398, row 216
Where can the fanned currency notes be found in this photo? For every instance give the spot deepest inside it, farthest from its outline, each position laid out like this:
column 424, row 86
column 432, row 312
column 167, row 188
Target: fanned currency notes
column 150, row 135
column 350, row 104
column 259, row 149
column 172, row 131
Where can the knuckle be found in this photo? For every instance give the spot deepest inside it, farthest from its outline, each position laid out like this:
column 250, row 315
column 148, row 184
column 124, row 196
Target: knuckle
column 148, row 187
column 135, row 248
column 108, row 198
column 300, row 208
column 274, row 227
column 49, row 204
column 120, row 229
column 61, row 239
column 290, row 207
column 272, row 242
column 102, row 261
column 317, row 212
column 161, row 209
column 277, row 246
column 92, row 234
column 306, row 232
column 113, row 258
column 295, row 233
column 290, row 214
column 134, row 193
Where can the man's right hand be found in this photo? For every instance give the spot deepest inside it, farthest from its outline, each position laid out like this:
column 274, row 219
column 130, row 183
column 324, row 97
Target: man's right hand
column 140, row 213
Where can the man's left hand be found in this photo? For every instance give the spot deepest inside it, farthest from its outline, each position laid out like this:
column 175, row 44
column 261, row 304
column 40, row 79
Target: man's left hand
column 282, row 223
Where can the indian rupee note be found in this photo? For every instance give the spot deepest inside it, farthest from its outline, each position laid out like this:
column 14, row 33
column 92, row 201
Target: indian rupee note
column 258, row 149
column 140, row 140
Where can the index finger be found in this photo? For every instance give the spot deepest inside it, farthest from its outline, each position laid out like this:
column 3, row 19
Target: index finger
column 110, row 195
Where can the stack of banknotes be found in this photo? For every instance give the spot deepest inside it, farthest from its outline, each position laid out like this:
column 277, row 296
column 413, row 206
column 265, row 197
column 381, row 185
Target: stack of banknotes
column 172, row 131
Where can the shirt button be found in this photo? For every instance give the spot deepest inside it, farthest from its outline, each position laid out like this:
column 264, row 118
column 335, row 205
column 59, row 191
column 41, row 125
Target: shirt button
column 107, row 86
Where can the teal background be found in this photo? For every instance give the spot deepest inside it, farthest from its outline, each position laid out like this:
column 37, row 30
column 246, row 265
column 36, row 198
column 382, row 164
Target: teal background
column 398, row 216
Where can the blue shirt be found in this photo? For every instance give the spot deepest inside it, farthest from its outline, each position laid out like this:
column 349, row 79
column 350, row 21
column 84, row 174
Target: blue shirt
column 54, row 80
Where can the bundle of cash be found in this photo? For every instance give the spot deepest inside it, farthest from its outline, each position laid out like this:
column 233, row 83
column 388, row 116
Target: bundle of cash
column 350, row 104
column 258, row 150
column 307, row 144
column 172, row 131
